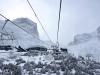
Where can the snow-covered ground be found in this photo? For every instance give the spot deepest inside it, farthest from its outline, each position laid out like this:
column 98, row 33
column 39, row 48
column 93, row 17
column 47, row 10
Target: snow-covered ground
column 11, row 56
column 44, row 63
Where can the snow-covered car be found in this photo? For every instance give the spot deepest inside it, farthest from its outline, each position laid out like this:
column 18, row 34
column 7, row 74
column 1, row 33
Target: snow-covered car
column 39, row 48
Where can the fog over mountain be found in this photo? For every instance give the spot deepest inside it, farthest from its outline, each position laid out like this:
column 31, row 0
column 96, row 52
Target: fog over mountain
column 87, row 43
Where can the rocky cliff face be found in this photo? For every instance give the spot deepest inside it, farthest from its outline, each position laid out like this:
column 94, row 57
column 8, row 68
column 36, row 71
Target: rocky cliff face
column 28, row 25
column 21, row 37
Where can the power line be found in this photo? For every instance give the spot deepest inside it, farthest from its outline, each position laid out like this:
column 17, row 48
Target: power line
column 23, row 29
column 38, row 20
column 59, row 22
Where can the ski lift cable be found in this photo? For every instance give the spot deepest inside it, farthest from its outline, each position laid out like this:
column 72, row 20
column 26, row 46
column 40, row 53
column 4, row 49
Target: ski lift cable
column 5, row 24
column 24, row 29
column 39, row 20
column 59, row 22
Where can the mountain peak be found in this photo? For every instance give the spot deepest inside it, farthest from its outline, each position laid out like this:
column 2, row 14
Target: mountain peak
column 24, row 20
column 24, row 39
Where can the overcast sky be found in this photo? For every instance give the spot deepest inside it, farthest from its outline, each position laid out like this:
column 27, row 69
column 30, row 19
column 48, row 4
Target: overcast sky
column 77, row 16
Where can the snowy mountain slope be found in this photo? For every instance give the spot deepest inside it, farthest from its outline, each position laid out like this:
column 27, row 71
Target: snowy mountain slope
column 22, row 38
column 86, row 44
